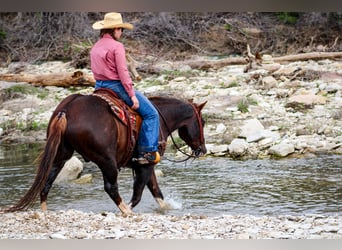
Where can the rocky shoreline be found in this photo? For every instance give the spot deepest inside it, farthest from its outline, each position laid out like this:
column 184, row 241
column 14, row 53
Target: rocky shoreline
column 73, row 224
column 273, row 110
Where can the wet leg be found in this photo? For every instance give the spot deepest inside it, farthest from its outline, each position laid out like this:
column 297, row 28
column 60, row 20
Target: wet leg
column 110, row 175
column 142, row 175
column 56, row 168
column 153, row 186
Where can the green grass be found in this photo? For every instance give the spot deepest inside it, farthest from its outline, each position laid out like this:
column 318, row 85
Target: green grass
column 233, row 84
column 288, row 17
column 244, row 103
column 18, row 90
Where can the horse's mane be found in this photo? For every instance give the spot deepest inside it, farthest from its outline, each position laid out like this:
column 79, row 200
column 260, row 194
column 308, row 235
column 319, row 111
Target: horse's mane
column 168, row 98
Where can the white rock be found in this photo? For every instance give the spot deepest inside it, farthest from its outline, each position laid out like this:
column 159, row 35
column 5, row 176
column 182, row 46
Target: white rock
column 238, row 147
column 71, row 170
column 220, row 128
column 306, row 99
column 251, row 127
column 217, row 149
column 58, row 236
column 333, row 87
column 262, row 134
column 283, row 149
column 84, row 179
column 265, row 143
column 269, row 81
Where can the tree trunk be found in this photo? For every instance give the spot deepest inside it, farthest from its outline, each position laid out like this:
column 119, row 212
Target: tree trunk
column 215, row 64
column 308, row 56
column 76, row 78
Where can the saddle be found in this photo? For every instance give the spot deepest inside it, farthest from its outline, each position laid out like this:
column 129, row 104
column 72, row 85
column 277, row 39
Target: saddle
column 127, row 116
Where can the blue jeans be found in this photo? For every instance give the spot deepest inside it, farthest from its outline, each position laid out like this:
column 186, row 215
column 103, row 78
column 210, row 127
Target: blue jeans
column 149, row 131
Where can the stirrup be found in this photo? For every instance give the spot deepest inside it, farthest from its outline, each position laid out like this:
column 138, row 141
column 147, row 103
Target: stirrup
column 148, row 158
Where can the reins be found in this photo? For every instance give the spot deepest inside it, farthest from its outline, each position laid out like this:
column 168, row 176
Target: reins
column 173, row 141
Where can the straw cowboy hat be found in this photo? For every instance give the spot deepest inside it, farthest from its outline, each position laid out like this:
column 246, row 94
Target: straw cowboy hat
column 112, row 20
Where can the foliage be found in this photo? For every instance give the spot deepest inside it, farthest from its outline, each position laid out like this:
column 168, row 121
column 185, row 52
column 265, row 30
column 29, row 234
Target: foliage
column 42, row 36
column 2, row 34
column 243, row 106
column 244, row 103
column 16, row 91
column 288, row 17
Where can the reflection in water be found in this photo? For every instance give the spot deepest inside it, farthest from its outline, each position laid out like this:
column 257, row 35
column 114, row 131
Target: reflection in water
column 208, row 186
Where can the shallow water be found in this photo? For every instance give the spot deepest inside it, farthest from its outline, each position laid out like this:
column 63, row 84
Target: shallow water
column 208, row 186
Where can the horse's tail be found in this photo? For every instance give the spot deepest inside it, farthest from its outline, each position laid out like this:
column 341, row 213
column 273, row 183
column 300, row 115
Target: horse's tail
column 56, row 130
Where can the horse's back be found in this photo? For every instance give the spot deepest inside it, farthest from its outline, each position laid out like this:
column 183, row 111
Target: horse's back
column 92, row 129
column 86, row 113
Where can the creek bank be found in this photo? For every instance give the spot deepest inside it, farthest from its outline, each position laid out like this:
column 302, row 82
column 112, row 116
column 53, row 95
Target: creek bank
column 275, row 110
column 73, row 224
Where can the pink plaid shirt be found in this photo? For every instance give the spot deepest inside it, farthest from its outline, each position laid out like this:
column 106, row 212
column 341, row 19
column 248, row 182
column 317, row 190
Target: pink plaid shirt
column 108, row 62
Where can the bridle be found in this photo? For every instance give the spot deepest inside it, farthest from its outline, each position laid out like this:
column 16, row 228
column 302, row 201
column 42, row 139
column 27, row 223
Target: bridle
column 173, row 141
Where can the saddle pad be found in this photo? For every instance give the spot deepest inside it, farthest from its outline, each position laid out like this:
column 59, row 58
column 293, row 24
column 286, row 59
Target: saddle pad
column 116, row 105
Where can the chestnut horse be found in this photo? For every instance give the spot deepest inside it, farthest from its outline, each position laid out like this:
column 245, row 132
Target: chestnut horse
column 86, row 124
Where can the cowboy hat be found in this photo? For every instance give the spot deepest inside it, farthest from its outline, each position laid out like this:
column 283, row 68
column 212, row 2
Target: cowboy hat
column 112, row 20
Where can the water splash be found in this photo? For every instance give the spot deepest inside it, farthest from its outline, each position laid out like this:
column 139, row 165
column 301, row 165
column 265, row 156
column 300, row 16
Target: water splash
column 173, row 204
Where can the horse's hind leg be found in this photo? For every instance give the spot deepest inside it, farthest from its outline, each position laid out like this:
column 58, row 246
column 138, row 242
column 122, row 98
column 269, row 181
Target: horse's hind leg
column 56, row 168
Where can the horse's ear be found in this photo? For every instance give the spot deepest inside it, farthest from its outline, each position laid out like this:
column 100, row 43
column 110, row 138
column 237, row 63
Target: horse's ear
column 200, row 106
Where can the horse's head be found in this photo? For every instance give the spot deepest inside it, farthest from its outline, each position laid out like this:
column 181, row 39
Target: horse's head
column 192, row 130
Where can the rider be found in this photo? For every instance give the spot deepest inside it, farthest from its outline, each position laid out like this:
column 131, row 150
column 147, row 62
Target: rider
column 109, row 67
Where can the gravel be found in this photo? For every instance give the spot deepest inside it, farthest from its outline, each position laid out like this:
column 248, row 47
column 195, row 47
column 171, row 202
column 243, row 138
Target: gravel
column 73, row 224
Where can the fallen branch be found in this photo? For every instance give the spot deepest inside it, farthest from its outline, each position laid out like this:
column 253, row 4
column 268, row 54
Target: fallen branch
column 131, row 64
column 308, row 56
column 215, row 64
column 77, row 78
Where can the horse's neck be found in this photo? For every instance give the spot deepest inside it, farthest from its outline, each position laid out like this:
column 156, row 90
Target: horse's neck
column 172, row 117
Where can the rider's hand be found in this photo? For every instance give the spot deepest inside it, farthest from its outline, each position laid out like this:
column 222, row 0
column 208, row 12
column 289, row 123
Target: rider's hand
column 135, row 102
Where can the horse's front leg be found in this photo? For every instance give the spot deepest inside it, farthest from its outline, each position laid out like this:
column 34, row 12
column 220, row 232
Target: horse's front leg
column 153, row 186
column 142, row 176
column 111, row 188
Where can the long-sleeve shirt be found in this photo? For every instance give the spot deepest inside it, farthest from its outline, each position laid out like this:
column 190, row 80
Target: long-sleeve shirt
column 108, row 62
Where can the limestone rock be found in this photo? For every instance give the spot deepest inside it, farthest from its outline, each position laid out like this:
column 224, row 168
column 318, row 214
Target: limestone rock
column 251, row 127
column 84, row 179
column 71, row 170
column 238, row 147
column 305, row 101
column 283, row 149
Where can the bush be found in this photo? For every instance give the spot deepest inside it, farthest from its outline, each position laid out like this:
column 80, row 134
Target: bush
column 42, row 36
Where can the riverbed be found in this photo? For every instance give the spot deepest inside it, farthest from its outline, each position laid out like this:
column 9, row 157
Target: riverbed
column 208, row 186
column 209, row 198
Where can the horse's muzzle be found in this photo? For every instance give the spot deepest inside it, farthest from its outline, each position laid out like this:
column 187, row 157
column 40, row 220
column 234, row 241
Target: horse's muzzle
column 201, row 150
